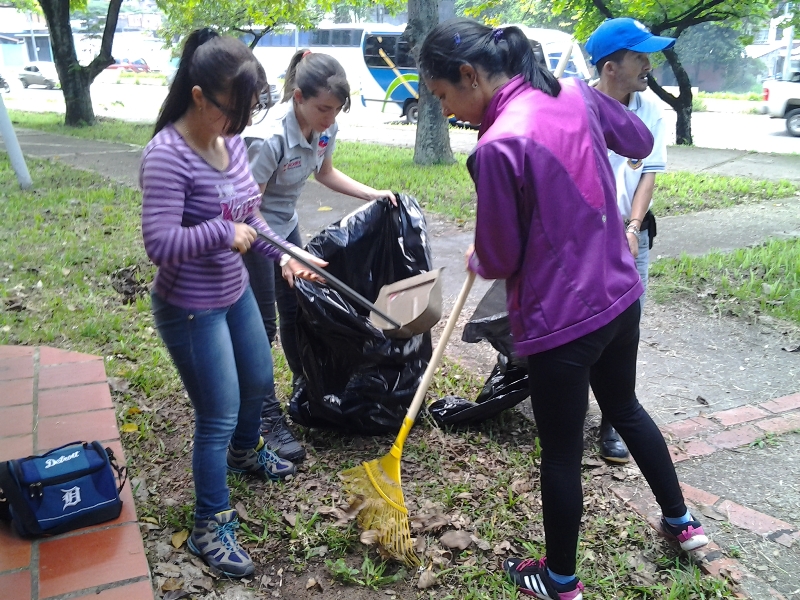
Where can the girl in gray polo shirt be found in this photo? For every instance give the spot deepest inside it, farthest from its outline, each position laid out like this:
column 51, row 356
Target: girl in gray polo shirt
column 300, row 139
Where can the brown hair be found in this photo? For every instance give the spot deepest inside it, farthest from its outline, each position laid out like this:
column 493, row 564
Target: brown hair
column 314, row 72
column 218, row 65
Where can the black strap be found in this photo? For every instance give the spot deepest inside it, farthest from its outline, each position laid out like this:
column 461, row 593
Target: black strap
column 122, row 472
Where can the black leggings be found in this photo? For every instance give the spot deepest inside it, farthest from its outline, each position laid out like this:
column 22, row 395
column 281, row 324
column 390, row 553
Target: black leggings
column 559, row 380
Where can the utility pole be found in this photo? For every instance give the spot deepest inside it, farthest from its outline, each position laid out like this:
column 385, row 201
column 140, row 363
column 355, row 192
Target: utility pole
column 13, row 149
column 788, row 35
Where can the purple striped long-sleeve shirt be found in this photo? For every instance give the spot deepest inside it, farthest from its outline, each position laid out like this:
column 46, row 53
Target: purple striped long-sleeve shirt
column 188, row 209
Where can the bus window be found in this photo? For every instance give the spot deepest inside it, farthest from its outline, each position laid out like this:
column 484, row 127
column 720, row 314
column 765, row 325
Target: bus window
column 346, row 37
column 340, row 37
column 374, row 44
column 321, row 37
column 355, row 39
column 404, row 57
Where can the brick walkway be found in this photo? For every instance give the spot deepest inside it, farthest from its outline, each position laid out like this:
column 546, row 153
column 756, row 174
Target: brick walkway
column 698, row 437
column 48, row 398
column 701, row 436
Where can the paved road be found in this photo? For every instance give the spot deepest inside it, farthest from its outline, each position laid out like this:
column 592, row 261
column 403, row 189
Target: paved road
column 728, row 127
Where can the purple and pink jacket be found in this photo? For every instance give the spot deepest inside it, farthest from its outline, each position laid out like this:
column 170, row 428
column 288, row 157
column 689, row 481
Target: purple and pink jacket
column 188, row 210
column 547, row 217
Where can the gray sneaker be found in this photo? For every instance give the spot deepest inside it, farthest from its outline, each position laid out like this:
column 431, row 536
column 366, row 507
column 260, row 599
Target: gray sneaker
column 214, row 540
column 280, row 439
column 261, row 462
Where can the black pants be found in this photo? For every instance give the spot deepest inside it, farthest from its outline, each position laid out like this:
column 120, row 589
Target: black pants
column 269, row 288
column 560, row 380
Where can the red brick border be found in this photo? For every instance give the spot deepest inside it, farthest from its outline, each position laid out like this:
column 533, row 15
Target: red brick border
column 732, row 428
column 711, row 558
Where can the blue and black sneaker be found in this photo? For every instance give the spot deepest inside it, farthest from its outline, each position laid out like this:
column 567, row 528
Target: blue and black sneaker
column 261, row 462
column 214, row 540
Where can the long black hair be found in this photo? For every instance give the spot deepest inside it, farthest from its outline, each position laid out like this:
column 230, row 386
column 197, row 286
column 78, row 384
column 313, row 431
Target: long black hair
column 314, row 72
column 217, row 65
column 463, row 41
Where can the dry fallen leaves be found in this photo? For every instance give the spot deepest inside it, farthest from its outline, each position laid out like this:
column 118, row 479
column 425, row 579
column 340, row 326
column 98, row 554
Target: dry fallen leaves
column 456, row 539
column 427, row 579
column 369, row 537
column 313, row 584
column 178, row 538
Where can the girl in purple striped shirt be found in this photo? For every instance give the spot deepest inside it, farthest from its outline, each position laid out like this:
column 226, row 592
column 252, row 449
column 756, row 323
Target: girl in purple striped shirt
column 199, row 215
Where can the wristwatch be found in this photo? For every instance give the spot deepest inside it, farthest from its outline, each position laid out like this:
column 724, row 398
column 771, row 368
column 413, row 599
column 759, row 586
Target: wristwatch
column 285, row 258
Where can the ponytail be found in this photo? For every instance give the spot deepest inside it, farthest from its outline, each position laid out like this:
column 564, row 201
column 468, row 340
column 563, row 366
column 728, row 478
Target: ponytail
column 180, row 92
column 504, row 51
column 291, row 74
column 218, row 65
column 315, row 72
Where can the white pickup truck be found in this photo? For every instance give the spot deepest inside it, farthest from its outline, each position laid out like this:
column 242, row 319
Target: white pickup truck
column 782, row 101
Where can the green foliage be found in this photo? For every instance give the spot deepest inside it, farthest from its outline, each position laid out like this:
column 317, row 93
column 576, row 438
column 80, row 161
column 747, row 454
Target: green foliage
column 533, row 13
column 679, row 193
column 698, row 105
column 747, row 281
column 371, row 575
column 744, row 97
column 250, row 18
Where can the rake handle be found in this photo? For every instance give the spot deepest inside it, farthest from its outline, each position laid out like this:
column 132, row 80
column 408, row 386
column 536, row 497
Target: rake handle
column 336, row 283
column 436, row 358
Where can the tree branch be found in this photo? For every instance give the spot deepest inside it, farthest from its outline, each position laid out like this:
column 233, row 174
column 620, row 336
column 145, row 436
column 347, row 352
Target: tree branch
column 600, row 5
column 104, row 58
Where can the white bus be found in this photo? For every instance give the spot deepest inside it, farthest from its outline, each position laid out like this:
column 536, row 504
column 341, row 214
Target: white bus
column 378, row 61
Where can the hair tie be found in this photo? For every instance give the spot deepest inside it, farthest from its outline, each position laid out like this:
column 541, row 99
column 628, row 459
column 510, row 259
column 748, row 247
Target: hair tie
column 457, row 39
column 205, row 34
column 497, row 35
column 306, row 53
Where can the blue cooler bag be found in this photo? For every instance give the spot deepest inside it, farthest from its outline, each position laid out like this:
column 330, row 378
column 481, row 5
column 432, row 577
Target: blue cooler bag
column 67, row 488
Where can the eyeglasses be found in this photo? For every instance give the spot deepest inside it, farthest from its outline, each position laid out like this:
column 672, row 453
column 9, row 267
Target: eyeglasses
column 254, row 111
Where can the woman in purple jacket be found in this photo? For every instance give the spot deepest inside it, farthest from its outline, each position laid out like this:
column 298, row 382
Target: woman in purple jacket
column 548, row 223
column 199, row 215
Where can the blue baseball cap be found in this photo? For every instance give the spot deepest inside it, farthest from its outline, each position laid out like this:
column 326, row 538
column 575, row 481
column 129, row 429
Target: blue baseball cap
column 624, row 33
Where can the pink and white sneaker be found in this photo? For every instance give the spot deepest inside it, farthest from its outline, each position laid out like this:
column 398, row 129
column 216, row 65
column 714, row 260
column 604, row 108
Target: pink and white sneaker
column 690, row 535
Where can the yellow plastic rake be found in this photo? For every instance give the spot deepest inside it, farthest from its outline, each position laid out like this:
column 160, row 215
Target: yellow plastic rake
column 378, row 481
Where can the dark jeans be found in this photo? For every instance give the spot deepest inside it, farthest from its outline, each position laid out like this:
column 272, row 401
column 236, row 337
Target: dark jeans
column 270, row 287
column 225, row 363
column 559, row 381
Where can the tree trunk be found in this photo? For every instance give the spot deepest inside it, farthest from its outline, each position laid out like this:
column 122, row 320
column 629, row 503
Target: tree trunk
column 683, row 103
column 432, row 144
column 76, row 79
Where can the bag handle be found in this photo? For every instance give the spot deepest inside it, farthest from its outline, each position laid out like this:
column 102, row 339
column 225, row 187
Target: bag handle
column 122, row 472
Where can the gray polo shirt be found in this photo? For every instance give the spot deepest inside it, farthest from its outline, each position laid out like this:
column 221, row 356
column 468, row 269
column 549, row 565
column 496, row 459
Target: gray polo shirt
column 284, row 160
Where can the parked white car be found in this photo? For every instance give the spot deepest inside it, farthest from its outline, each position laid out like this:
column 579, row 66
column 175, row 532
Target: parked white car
column 782, row 101
column 39, row 73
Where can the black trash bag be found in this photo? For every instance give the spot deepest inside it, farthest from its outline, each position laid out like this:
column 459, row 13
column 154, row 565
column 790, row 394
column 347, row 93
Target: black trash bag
column 506, row 387
column 355, row 379
column 490, row 321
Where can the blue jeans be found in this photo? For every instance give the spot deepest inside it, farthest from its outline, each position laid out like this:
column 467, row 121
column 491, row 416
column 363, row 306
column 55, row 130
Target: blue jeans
column 643, row 262
column 225, row 363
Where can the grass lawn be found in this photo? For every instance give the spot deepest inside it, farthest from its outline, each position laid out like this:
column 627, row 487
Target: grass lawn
column 74, row 276
column 448, row 189
column 747, row 281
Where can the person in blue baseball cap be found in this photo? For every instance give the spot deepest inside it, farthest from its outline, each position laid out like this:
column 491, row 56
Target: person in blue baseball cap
column 619, row 49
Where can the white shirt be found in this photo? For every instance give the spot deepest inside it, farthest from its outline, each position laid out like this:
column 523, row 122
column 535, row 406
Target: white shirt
column 284, row 159
column 628, row 171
